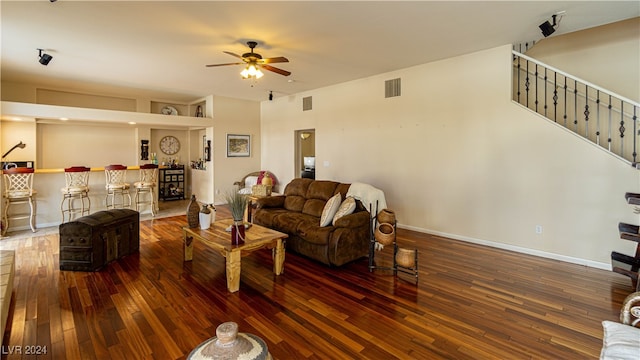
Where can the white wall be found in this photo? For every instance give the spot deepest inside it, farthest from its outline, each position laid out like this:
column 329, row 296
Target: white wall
column 607, row 56
column 456, row 157
column 234, row 116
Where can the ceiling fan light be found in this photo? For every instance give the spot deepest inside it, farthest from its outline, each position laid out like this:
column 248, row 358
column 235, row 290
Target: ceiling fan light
column 259, row 74
column 252, row 70
column 245, row 73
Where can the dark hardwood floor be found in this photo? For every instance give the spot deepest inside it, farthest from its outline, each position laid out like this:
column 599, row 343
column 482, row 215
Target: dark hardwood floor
column 471, row 302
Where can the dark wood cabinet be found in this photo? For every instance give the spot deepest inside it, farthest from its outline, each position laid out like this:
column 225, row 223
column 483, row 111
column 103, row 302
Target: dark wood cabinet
column 171, row 183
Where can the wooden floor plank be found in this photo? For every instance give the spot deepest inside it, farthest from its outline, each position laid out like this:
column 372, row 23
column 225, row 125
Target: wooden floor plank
column 470, row 302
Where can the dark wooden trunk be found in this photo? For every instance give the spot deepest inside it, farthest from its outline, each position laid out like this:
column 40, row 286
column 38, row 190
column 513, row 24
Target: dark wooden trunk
column 92, row 241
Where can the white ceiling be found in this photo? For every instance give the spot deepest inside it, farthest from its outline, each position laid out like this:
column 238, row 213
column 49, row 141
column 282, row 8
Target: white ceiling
column 160, row 48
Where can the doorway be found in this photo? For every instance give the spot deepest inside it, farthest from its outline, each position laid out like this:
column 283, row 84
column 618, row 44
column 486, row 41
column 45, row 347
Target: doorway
column 305, row 153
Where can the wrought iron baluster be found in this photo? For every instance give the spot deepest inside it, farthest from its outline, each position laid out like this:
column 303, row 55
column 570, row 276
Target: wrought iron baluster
column 565, row 102
column 635, row 133
column 545, row 92
column 519, row 79
column 536, row 75
column 526, row 84
column 610, row 123
column 555, row 96
column 598, row 117
column 621, row 129
column 586, row 111
column 575, row 104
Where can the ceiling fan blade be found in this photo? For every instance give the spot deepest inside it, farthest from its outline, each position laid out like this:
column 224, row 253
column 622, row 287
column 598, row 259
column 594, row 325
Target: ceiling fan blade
column 279, row 59
column 232, row 54
column 276, row 70
column 212, row 65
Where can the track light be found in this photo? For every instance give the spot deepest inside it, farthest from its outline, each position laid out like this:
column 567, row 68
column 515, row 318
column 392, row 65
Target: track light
column 44, row 58
column 547, row 28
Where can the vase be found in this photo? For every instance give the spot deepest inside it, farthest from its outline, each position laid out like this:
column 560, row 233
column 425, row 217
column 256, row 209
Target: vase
column 385, row 234
column 267, row 180
column 237, row 232
column 406, row 258
column 205, row 220
column 387, row 216
column 192, row 212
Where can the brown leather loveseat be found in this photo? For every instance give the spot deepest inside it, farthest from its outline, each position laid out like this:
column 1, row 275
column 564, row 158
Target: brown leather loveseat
column 298, row 214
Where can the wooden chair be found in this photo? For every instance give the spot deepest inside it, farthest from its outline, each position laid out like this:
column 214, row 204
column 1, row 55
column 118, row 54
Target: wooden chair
column 18, row 189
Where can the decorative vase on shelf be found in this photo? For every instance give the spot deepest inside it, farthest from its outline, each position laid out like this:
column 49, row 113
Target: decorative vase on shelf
column 193, row 211
column 205, row 217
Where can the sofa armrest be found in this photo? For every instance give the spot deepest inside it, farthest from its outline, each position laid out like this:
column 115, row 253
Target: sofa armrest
column 357, row 219
column 270, row 202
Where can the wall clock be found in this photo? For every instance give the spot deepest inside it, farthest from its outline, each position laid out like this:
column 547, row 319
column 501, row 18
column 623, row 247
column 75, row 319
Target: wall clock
column 170, row 145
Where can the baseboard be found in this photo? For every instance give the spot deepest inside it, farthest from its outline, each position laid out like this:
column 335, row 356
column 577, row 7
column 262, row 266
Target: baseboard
column 519, row 249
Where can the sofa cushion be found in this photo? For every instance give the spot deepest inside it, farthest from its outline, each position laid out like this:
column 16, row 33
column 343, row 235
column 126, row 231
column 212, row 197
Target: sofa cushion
column 298, row 187
column 330, row 209
column 347, row 207
column 620, row 341
column 295, row 193
column 314, row 207
column 288, row 221
column 313, row 233
column 294, row 203
column 266, row 216
column 322, row 189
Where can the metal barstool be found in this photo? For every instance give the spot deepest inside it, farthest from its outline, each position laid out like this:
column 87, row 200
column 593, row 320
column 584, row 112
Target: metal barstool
column 147, row 184
column 77, row 187
column 116, row 185
column 18, row 189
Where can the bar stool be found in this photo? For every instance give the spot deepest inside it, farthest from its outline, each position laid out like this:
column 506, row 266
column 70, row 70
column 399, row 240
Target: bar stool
column 147, row 184
column 77, row 187
column 116, row 185
column 18, row 189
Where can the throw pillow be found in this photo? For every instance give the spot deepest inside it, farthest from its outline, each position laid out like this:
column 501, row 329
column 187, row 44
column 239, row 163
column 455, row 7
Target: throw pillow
column 347, row 207
column 330, row 209
column 620, row 341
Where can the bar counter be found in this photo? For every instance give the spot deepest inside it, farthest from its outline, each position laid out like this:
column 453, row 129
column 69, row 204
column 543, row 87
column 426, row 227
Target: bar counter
column 48, row 184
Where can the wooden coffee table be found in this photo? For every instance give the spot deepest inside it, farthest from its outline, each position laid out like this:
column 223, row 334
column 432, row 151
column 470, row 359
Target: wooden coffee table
column 256, row 237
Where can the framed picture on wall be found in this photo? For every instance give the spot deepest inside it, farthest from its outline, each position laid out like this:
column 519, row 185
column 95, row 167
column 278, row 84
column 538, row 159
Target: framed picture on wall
column 238, row 145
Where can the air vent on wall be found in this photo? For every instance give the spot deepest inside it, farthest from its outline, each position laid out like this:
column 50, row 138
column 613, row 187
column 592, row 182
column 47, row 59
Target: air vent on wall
column 306, row 103
column 392, row 88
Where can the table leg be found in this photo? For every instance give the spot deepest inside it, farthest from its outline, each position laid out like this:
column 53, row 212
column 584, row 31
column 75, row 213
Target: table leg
column 278, row 258
column 188, row 247
column 233, row 271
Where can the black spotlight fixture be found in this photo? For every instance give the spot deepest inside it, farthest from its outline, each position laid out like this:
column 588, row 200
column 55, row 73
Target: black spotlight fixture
column 548, row 28
column 270, row 95
column 44, row 58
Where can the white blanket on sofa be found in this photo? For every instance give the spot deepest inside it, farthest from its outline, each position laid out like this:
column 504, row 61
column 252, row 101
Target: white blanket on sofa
column 368, row 195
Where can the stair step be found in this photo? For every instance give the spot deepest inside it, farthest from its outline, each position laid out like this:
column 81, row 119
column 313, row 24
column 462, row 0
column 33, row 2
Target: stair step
column 625, row 259
column 632, row 274
column 629, row 232
column 632, row 198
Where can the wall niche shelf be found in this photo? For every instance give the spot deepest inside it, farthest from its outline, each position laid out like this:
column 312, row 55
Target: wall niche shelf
column 197, row 108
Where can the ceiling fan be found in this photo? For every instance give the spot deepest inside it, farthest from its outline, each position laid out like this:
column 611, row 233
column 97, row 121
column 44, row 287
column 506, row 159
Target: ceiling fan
column 254, row 62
